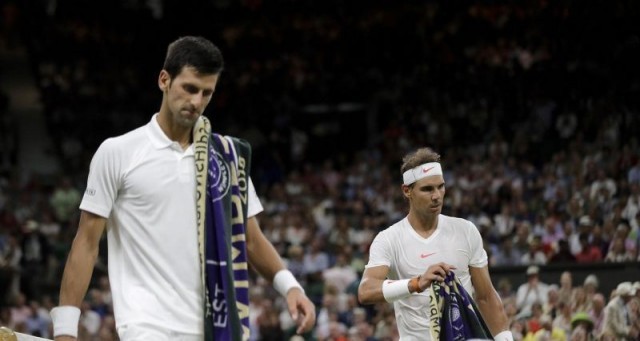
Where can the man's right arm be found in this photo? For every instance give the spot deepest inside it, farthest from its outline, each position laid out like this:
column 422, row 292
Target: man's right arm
column 370, row 289
column 375, row 288
column 80, row 262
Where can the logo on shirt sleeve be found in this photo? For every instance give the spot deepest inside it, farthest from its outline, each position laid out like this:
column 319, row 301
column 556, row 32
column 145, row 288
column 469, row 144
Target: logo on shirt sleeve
column 90, row 191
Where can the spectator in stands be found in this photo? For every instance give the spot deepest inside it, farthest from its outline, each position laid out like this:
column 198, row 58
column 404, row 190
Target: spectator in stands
column 532, row 291
column 35, row 259
column 38, row 322
column 634, row 308
column 616, row 314
column 295, row 260
column 603, row 188
column 49, row 226
column 566, row 284
column 20, row 310
column 296, row 232
column 563, row 319
column 10, row 260
column 632, row 206
column 505, row 290
column 518, row 329
column 535, row 254
column 581, row 322
column 590, row 286
column 506, row 254
column 579, row 334
column 546, row 331
column 316, row 259
column 585, row 225
column 361, row 331
column 522, row 237
column 618, row 252
column 534, row 321
column 589, row 252
column 579, row 300
column 550, row 308
column 630, row 239
column 552, row 234
column 563, row 254
column 269, row 322
column 504, row 222
column 65, row 200
column 327, row 313
column 341, row 274
column 600, row 240
column 90, row 320
column 597, row 313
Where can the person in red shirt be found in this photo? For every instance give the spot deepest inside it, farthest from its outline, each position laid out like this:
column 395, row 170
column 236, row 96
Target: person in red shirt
column 590, row 253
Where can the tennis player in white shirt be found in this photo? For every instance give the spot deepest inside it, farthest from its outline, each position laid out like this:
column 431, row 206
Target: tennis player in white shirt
column 408, row 256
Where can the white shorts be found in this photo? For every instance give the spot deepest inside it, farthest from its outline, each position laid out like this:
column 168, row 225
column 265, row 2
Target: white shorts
column 146, row 332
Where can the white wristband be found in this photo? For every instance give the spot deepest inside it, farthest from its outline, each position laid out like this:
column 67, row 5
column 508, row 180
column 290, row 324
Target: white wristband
column 65, row 320
column 284, row 281
column 504, row 336
column 395, row 290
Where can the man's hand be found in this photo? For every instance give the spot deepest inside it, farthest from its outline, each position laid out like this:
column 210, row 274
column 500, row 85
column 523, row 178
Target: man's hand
column 436, row 272
column 302, row 310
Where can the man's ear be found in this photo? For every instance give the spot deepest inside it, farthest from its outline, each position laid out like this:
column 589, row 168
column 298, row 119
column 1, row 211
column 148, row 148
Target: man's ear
column 164, row 80
column 406, row 190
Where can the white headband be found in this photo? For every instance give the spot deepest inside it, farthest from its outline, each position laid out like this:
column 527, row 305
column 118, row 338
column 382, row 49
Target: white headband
column 422, row 171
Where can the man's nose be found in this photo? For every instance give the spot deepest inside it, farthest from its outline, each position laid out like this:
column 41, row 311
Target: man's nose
column 436, row 195
column 196, row 100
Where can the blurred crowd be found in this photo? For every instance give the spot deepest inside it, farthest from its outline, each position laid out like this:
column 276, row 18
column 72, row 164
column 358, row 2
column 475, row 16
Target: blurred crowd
column 533, row 106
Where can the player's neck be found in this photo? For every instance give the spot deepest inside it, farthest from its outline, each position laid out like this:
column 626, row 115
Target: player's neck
column 423, row 224
column 173, row 131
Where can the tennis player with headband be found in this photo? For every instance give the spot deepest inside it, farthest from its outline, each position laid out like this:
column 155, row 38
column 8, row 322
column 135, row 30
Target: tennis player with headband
column 408, row 256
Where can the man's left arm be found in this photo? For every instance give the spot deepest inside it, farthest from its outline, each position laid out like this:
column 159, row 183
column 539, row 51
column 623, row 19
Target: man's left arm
column 267, row 262
column 489, row 303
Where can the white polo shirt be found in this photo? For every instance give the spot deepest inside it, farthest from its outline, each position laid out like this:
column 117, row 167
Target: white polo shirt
column 144, row 183
column 456, row 241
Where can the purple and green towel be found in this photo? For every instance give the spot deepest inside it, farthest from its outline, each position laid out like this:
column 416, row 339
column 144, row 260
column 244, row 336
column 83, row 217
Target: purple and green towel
column 453, row 314
column 222, row 175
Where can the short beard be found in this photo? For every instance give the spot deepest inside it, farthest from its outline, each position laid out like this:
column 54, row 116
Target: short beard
column 185, row 122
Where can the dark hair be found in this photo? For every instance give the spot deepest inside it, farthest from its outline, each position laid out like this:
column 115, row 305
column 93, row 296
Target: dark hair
column 196, row 52
column 420, row 156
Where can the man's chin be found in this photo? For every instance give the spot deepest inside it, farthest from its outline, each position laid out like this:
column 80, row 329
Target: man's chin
column 188, row 121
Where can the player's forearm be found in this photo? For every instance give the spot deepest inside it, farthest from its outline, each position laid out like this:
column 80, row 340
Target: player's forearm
column 266, row 261
column 262, row 255
column 373, row 290
column 77, row 273
column 493, row 313
column 370, row 291
column 264, row 258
